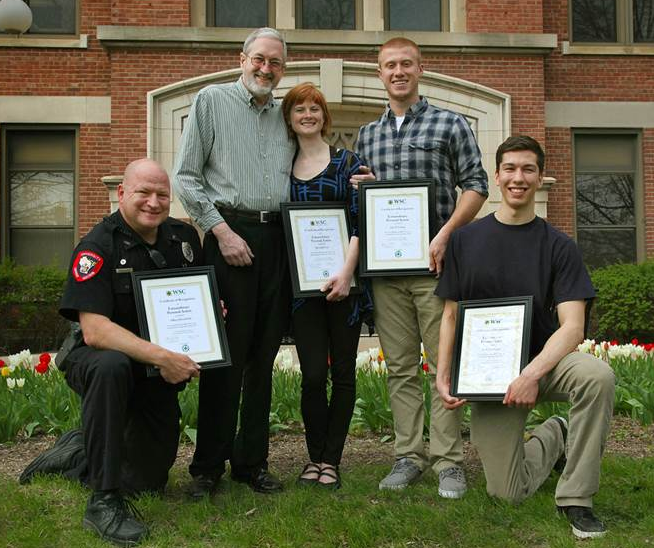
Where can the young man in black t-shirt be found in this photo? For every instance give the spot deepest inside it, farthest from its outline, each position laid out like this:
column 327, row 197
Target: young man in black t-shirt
column 509, row 253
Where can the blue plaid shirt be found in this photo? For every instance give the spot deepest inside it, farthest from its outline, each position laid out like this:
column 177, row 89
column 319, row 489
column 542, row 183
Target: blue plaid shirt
column 432, row 143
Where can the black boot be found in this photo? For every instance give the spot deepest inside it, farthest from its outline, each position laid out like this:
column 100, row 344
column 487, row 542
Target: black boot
column 114, row 519
column 64, row 455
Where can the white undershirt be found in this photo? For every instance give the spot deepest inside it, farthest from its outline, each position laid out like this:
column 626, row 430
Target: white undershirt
column 398, row 122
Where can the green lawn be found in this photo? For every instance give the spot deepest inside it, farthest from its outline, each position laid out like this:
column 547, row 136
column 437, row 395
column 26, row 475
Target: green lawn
column 48, row 514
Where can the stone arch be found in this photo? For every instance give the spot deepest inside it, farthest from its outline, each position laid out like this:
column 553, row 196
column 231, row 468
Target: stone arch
column 355, row 94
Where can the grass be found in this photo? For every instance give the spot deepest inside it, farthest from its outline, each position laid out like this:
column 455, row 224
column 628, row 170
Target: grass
column 48, row 514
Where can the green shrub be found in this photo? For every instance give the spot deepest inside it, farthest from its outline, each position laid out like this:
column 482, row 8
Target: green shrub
column 29, row 301
column 624, row 307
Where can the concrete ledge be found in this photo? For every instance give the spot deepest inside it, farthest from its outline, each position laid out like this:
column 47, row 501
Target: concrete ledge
column 55, row 109
column 30, row 41
column 599, row 114
column 606, row 49
column 321, row 40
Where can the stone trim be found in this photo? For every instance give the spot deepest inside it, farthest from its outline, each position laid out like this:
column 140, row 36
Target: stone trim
column 599, row 114
column 55, row 109
column 320, row 40
column 27, row 41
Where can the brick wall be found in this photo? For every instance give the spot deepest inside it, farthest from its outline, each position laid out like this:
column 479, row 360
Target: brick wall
column 94, row 162
column 175, row 13
column 504, row 16
column 558, row 164
column 648, row 189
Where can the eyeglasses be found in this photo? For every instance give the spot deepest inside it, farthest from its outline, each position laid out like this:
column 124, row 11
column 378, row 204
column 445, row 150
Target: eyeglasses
column 259, row 60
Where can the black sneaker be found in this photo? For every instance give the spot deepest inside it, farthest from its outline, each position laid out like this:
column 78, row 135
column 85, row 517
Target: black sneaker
column 114, row 518
column 62, row 456
column 559, row 465
column 583, row 521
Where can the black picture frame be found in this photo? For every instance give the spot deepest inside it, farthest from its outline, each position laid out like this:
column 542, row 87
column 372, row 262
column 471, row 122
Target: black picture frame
column 294, row 211
column 490, row 310
column 179, row 280
column 394, row 189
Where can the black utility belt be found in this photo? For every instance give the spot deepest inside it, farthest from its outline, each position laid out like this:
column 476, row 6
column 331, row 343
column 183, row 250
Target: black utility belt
column 259, row 217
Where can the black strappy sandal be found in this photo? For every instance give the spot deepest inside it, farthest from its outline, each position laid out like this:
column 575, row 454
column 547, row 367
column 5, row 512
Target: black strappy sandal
column 330, row 472
column 309, row 468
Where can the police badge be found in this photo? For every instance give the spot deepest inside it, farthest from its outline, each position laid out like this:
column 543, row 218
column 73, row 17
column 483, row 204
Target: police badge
column 187, row 251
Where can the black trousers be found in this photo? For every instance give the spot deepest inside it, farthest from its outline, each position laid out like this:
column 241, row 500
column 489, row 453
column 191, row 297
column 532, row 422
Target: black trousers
column 321, row 332
column 257, row 298
column 130, row 422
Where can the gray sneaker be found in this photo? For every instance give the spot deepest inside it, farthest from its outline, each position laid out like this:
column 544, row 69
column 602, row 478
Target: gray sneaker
column 452, row 483
column 403, row 473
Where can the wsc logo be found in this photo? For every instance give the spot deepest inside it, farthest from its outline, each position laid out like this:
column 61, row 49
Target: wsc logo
column 398, row 253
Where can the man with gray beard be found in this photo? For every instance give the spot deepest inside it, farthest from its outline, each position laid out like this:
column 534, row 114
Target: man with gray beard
column 231, row 175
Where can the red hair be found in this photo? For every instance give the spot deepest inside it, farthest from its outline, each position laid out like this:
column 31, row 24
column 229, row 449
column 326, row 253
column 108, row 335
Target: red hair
column 299, row 94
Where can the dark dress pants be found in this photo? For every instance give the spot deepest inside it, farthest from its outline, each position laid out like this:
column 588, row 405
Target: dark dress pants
column 257, row 299
column 321, row 332
column 130, row 422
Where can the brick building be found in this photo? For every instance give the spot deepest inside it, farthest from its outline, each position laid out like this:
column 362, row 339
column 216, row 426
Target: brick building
column 95, row 84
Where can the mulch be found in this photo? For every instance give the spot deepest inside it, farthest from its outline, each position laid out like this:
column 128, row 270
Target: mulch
column 288, row 452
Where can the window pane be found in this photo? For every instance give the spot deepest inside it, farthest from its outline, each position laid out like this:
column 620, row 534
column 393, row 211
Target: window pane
column 605, row 153
column 593, row 21
column 31, row 148
column 605, row 199
column 49, row 246
column 53, row 16
column 244, row 13
column 603, row 247
column 41, row 198
column 328, row 14
column 402, row 14
column 643, row 20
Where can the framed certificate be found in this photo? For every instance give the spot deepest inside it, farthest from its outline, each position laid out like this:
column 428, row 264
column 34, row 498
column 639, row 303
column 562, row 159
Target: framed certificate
column 317, row 239
column 179, row 309
column 491, row 346
column 397, row 221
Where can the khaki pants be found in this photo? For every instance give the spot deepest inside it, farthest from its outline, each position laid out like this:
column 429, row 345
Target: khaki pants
column 406, row 312
column 514, row 469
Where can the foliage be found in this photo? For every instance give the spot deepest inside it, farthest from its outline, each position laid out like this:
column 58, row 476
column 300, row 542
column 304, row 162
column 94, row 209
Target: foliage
column 44, row 403
column 624, row 307
column 28, row 305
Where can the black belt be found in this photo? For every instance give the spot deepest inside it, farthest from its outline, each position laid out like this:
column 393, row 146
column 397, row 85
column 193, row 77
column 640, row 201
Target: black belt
column 262, row 217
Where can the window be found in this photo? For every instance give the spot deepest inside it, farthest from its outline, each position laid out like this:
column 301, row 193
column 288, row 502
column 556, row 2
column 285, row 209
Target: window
column 52, row 17
column 326, row 14
column 613, row 21
column 38, row 185
column 401, row 14
column 241, row 14
column 607, row 197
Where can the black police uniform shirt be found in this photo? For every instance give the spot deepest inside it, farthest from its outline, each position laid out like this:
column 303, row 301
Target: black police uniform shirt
column 99, row 277
column 488, row 259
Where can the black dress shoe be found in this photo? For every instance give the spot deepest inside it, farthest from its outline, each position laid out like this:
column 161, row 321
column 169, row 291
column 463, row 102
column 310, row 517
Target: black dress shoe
column 260, row 481
column 64, row 455
column 203, row 486
column 114, row 518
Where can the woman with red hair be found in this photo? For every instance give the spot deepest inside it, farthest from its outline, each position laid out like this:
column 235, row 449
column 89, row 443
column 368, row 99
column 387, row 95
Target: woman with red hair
column 326, row 329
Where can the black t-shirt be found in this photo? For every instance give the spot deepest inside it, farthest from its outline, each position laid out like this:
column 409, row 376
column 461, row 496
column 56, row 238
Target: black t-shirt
column 488, row 259
column 99, row 278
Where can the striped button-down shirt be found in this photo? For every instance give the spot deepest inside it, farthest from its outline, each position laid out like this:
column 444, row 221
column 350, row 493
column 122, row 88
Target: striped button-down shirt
column 432, row 143
column 232, row 154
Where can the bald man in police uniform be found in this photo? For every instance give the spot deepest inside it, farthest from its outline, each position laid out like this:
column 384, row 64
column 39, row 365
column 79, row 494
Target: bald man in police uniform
column 130, row 422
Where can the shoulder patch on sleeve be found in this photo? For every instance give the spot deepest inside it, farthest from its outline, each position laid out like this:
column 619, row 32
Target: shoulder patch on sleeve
column 86, row 265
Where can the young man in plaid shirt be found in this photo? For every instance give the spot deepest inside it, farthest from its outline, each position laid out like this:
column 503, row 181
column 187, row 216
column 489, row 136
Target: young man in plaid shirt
column 416, row 140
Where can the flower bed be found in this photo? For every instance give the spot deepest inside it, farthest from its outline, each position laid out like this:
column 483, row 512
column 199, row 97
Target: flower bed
column 34, row 396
